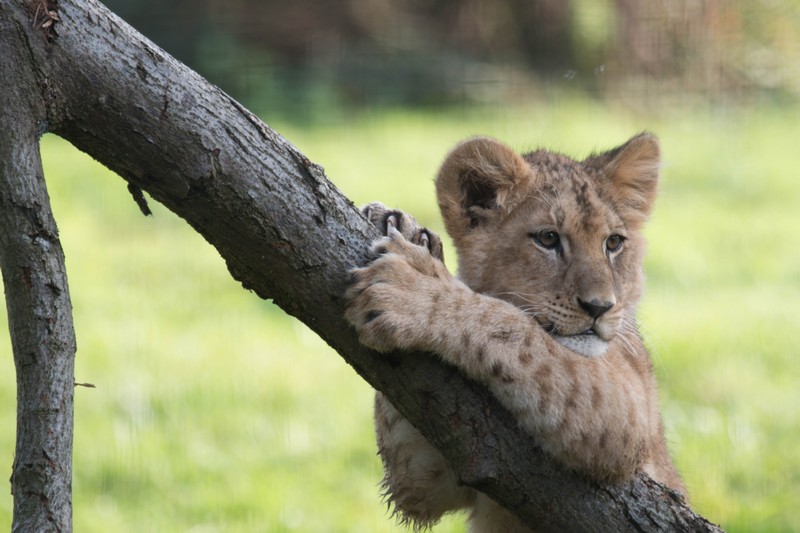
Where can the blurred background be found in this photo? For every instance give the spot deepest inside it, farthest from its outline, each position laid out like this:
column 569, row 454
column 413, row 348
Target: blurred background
column 306, row 58
column 214, row 411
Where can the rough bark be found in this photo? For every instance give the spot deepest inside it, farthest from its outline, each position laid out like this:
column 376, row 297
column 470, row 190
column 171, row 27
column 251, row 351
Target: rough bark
column 37, row 299
column 288, row 234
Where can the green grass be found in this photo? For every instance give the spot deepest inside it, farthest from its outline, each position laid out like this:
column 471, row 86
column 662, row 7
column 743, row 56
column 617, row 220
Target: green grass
column 216, row 412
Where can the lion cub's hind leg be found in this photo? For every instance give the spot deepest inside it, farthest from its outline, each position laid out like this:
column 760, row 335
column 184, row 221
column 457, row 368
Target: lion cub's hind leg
column 418, row 481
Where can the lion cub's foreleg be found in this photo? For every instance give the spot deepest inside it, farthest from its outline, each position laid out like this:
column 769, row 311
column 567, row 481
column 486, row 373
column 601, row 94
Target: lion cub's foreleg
column 418, row 480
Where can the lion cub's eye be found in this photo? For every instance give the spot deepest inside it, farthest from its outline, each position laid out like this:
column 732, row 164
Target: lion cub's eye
column 547, row 239
column 614, row 242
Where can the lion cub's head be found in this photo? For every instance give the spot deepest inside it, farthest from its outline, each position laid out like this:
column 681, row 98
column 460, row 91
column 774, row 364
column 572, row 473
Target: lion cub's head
column 558, row 238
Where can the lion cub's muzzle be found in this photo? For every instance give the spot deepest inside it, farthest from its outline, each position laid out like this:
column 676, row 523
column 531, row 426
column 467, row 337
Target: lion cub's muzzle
column 593, row 332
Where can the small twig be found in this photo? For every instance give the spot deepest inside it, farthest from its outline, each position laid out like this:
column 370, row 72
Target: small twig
column 138, row 197
column 87, row 385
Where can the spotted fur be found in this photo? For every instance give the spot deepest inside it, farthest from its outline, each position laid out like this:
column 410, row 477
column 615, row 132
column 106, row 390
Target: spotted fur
column 543, row 312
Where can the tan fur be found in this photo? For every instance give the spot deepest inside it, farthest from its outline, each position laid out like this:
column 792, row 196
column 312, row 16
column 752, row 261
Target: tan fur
column 518, row 317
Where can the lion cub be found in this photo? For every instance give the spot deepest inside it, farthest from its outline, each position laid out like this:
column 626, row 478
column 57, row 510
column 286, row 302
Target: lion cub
column 543, row 313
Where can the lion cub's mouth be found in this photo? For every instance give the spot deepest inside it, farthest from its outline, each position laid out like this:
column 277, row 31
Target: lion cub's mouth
column 587, row 343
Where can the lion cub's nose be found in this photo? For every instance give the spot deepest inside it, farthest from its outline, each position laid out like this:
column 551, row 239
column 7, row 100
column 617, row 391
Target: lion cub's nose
column 595, row 308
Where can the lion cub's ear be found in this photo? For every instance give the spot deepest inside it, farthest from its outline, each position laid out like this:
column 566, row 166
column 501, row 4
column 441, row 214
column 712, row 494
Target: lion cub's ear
column 480, row 180
column 633, row 169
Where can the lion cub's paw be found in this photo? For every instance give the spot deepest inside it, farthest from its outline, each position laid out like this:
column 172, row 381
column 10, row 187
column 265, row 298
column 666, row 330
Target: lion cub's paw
column 388, row 295
column 384, row 218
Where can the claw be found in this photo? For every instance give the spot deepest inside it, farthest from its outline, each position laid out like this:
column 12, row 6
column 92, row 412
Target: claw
column 394, row 234
column 425, row 241
column 391, row 222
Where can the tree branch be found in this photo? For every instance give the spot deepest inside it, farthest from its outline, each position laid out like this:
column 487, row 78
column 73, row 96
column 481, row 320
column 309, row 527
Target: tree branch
column 288, row 234
column 37, row 298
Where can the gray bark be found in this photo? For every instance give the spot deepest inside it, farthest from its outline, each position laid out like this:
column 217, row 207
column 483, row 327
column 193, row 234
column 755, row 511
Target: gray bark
column 37, row 299
column 288, row 234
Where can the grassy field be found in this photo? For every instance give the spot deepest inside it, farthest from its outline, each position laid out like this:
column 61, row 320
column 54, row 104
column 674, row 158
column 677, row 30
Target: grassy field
column 215, row 412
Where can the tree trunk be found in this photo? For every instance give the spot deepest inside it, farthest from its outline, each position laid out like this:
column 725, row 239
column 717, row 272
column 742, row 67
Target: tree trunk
column 288, row 234
column 37, row 299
